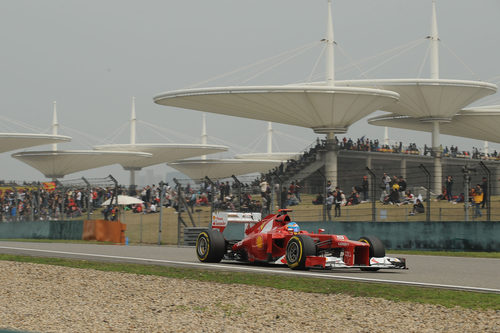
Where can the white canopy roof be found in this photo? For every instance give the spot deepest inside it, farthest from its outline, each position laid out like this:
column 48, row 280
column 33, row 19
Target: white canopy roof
column 14, row 141
column 268, row 156
column 124, row 200
column 222, row 168
column 428, row 98
column 322, row 108
column 162, row 152
column 481, row 123
column 58, row 163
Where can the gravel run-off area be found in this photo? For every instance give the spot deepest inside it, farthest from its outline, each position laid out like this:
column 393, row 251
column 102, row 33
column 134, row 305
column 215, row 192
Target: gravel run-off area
column 44, row 298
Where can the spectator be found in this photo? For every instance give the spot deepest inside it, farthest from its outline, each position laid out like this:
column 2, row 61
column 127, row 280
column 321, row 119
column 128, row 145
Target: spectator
column 402, row 184
column 283, row 197
column 353, row 197
column 151, row 208
column 297, row 191
column 443, row 195
column 418, row 208
column 292, row 199
column 291, row 189
column 329, row 203
column 386, row 180
column 408, row 198
column 477, row 199
column 329, row 187
column 105, row 212
column 318, row 200
column 364, row 188
column 339, row 200
column 266, row 206
column 484, row 187
column 393, row 197
column 263, row 187
column 449, row 187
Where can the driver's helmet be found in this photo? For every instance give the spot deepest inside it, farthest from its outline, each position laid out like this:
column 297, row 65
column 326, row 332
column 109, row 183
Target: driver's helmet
column 293, row 227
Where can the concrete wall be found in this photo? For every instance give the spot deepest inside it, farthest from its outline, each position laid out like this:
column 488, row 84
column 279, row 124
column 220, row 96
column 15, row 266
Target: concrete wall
column 438, row 236
column 42, row 230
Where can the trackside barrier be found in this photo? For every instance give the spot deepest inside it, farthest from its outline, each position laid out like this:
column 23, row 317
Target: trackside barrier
column 100, row 230
column 436, row 236
column 104, row 231
column 70, row 230
column 191, row 234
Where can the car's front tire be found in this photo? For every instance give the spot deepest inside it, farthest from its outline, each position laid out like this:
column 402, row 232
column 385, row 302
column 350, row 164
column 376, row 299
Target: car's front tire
column 297, row 250
column 210, row 246
column 377, row 250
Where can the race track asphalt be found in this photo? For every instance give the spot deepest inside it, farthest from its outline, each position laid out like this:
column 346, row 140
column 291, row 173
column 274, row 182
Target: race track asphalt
column 479, row 274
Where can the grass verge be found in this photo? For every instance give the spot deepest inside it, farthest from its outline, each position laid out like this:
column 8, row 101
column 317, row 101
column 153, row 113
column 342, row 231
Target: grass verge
column 447, row 298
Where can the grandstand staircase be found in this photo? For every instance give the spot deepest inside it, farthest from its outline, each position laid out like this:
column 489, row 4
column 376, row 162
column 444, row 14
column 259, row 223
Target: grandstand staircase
column 304, row 169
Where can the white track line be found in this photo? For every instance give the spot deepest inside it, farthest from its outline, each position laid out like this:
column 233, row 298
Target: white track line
column 264, row 270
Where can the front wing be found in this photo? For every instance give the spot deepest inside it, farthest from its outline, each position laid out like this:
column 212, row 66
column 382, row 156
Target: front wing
column 337, row 262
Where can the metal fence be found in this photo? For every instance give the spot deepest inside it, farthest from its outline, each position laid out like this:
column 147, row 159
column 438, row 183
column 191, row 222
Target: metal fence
column 74, row 198
column 187, row 203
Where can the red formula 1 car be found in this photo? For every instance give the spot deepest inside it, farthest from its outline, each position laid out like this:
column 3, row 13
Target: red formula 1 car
column 278, row 240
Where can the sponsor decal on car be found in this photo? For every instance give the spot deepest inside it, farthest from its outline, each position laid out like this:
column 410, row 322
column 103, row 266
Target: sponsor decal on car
column 259, row 242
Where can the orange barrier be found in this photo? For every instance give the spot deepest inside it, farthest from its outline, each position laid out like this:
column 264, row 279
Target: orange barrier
column 104, row 231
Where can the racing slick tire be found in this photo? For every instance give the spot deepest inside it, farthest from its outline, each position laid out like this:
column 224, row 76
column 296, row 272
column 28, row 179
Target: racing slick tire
column 210, row 246
column 297, row 250
column 377, row 250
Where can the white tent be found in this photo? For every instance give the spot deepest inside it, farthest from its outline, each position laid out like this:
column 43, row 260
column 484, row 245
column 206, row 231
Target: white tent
column 123, row 200
column 15, row 141
column 481, row 123
column 161, row 152
column 269, row 156
column 58, row 163
column 222, row 168
column 428, row 99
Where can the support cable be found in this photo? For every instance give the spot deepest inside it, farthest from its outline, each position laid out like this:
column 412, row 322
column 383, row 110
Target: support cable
column 278, row 56
column 461, row 61
column 277, row 64
column 318, row 59
column 20, row 124
column 113, row 135
column 391, row 58
column 166, row 131
column 424, row 61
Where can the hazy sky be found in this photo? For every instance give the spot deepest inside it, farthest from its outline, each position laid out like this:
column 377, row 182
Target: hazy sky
column 93, row 56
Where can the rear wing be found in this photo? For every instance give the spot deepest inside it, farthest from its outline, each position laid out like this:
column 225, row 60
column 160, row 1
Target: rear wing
column 221, row 219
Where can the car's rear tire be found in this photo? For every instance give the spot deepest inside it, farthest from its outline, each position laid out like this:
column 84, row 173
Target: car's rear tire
column 297, row 250
column 210, row 246
column 377, row 250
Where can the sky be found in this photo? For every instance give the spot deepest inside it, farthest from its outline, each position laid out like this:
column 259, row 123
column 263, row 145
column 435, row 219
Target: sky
column 93, row 56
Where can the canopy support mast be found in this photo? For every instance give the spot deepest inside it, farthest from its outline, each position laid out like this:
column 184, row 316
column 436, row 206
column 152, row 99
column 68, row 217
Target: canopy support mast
column 133, row 124
column 55, row 125
column 204, row 135
column 434, row 62
column 434, row 58
column 331, row 154
column 269, row 137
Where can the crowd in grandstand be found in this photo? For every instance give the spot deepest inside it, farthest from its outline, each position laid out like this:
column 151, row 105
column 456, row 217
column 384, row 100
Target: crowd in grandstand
column 289, row 167
column 21, row 203
column 33, row 201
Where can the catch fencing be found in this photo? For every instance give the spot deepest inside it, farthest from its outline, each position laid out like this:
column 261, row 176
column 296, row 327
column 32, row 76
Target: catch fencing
column 186, row 203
